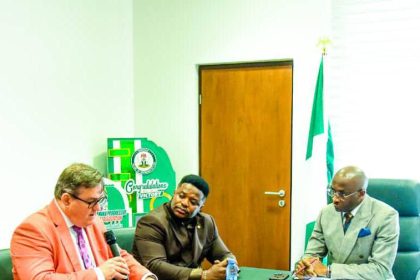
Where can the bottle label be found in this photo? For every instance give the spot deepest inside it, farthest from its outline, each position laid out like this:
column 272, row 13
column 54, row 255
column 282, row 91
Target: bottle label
column 231, row 270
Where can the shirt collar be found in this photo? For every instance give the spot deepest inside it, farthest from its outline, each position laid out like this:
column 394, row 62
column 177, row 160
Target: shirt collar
column 66, row 219
column 355, row 210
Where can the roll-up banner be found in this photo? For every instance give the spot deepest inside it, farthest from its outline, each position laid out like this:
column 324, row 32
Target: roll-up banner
column 140, row 178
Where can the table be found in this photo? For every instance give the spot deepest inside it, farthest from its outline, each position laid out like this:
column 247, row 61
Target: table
column 253, row 273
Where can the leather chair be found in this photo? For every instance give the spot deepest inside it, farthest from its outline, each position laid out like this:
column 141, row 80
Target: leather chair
column 403, row 196
column 124, row 236
column 5, row 265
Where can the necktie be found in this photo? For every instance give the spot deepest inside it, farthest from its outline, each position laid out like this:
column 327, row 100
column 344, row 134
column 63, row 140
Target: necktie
column 348, row 216
column 83, row 248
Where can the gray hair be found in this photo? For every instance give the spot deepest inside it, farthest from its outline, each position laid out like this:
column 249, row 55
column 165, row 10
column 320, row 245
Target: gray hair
column 76, row 176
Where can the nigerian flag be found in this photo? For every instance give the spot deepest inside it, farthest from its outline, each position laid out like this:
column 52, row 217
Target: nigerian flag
column 317, row 127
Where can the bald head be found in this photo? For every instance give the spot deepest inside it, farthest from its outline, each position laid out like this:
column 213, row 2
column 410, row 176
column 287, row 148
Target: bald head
column 351, row 182
column 353, row 174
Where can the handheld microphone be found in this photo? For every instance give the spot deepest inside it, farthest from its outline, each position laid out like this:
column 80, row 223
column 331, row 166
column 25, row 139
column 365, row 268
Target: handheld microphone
column 112, row 242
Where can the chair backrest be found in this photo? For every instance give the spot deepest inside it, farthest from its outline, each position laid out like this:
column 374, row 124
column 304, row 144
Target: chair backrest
column 5, row 265
column 403, row 196
column 125, row 238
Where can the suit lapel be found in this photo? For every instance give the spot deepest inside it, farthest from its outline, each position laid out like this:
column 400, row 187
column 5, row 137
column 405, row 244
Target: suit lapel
column 338, row 234
column 64, row 235
column 360, row 220
column 181, row 238
column 98, row 250
column 197, row 244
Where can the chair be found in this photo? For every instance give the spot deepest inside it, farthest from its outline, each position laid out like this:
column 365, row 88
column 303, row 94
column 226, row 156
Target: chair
column 125, row 238
column 5, row 264
column 403, row 196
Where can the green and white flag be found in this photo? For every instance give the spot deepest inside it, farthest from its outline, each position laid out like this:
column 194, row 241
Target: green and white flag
column 320, row 145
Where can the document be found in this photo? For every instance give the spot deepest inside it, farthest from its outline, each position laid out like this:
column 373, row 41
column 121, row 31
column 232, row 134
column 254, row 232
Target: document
column 313, row 278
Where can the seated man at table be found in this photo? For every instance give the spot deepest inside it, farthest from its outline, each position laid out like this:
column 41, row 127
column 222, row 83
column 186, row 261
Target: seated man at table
column 358, row 232
column 173, row 240
column 65, row 240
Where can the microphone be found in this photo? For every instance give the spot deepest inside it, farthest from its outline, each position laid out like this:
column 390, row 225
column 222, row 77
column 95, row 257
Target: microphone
column 112, row 242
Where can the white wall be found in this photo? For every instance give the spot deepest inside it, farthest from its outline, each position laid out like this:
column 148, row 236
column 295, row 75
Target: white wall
column 65, row 86
column 70, row 78
column 374, row 86
column 172, row 37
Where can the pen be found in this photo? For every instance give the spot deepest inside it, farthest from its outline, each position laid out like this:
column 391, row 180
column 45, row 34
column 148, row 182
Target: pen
column 303, row 268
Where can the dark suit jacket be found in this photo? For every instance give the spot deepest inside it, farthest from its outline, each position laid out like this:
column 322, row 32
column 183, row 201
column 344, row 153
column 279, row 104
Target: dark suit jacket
column 163, row 245
column 42, row 248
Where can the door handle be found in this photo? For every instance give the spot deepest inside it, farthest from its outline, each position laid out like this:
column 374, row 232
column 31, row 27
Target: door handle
column 280, row 193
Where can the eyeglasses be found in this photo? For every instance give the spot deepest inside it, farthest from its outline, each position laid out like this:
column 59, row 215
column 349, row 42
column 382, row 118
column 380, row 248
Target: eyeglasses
column 341, row 195
column 93, row 203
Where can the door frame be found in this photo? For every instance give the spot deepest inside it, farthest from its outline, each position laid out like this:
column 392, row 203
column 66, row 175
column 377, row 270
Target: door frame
column 264, row 63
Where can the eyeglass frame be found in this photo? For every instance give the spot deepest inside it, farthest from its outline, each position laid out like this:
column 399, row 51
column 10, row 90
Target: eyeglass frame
column 331, row 193
column 90, row 204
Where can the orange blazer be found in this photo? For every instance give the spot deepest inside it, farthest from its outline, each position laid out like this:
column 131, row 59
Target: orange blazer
column 42, row 248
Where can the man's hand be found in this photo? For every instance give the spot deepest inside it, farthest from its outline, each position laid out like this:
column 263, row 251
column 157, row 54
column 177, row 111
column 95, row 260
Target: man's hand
column 217, row 271
column 310, row 267
column 115, row 268
column 319, row 268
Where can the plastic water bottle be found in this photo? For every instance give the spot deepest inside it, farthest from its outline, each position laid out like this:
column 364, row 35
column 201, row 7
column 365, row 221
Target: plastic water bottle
column 231, row 270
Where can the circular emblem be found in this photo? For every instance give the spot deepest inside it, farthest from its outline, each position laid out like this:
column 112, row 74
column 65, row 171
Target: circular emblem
column 143, row 161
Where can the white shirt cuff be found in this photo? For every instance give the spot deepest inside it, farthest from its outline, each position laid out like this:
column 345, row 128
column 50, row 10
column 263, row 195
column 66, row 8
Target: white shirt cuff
column 99, row 274
column 149, row 275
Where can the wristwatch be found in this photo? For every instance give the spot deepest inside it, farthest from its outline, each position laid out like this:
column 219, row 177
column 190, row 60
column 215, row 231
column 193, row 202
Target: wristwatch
column 328, row 271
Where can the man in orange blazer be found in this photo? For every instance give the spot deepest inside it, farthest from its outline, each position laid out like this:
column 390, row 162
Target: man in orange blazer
column 65, row 240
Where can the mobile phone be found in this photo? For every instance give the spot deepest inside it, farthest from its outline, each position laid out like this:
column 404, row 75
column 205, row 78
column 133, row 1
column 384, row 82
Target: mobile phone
column 279, row 276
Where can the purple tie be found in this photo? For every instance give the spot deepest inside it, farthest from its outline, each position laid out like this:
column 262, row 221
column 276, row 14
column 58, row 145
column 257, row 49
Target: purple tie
column 83, row 248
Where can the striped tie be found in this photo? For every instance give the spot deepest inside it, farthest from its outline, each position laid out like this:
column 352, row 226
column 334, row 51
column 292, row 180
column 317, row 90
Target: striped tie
column 348, row 216
column 83, row 248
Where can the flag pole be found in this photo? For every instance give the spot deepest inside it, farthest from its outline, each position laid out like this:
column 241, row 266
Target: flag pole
column 323, row 42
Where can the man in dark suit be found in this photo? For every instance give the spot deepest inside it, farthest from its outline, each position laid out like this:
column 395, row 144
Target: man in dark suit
column 357, row 232
column 175, row 238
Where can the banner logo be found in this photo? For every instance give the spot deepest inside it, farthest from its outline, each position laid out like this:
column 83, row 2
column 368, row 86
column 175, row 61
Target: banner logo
column 143, row 161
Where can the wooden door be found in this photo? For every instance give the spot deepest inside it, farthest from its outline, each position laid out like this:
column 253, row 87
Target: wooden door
column 245, row 151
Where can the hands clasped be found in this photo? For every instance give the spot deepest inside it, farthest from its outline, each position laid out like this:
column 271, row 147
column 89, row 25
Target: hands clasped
column 217, row 271
column 115, row 268
column 311, row 267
